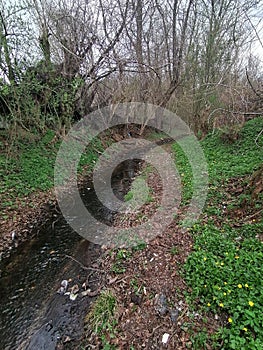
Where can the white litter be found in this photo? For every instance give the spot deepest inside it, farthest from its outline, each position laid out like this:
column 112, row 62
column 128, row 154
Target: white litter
column 165, row 338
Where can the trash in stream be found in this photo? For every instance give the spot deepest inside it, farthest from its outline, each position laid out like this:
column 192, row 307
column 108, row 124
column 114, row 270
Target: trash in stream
column 63, row 287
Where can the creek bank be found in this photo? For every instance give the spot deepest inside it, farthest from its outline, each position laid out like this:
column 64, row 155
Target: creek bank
column 25, row 222
column 32, row 275
column 50, row 306
column 147, row 284
column 22, row 223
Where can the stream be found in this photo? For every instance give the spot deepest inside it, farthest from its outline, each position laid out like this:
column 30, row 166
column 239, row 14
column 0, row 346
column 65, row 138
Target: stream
column 33, row 315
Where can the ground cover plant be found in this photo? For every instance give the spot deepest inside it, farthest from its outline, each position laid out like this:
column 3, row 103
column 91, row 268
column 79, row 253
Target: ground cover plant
column 226, row 266
column 29, row 167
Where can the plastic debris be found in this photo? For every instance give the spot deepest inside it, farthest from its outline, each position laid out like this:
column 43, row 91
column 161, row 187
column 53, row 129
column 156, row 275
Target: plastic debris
column 73, row 296
column 165, row 338
column 63, row 287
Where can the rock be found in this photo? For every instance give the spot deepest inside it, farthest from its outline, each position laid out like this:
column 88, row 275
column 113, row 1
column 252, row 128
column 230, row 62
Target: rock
column 136, row 299
column 174, row 315
column 161, row 304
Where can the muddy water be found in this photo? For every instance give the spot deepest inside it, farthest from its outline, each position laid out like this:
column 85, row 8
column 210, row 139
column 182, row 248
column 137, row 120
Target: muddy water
column 33, row 315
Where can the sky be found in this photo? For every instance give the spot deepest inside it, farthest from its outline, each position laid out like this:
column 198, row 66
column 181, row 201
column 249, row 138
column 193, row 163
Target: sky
column 256, row 23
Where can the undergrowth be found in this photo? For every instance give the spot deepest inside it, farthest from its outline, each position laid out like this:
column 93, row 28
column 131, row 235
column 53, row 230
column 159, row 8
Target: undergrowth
column 224, row 271
column 30, row 167
column 225, row 276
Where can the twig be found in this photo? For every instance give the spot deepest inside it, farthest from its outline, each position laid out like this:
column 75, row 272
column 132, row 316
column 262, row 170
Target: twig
column 53, row 224
column 258, row 94
column 182, row 314
column 258, row 136
column 82, row 266
column 253, row 215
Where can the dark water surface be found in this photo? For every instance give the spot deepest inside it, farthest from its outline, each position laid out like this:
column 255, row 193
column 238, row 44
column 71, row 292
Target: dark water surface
column 33, row 315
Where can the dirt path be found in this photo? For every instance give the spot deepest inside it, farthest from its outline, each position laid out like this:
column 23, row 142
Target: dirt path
column 149, row 287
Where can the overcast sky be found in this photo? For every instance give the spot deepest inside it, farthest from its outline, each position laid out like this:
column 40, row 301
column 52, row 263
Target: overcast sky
column 256, row 21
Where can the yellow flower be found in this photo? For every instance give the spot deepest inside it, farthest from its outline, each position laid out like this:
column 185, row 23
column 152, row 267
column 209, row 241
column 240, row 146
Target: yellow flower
column 221, row 305
column 225, row 283
column 245, row 329
column 214, row 298
column 205, row 258
column 239, row 285
column 230, row 320
column 246, row 285
column 236, row 257
column 251, row 303
column 205, row 285
column 222, row 264
column 208, row 304
column 229, row 291
column 226, row 253
column 224, row 293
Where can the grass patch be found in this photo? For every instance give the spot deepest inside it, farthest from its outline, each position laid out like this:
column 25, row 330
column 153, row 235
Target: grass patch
column 121, row 257
column 185, row 171
column 140, row 193
column 29, row 170
column 32, row 168
column 101, row 319
column 240, row 158
column 224, row 160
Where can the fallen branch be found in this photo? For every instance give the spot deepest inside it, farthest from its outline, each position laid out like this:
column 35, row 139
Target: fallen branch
column 83, row 266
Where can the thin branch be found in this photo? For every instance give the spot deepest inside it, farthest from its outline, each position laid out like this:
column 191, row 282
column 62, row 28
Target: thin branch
column 258, row 136
column 252, row 87
column 255, row 30
column 83, row 266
